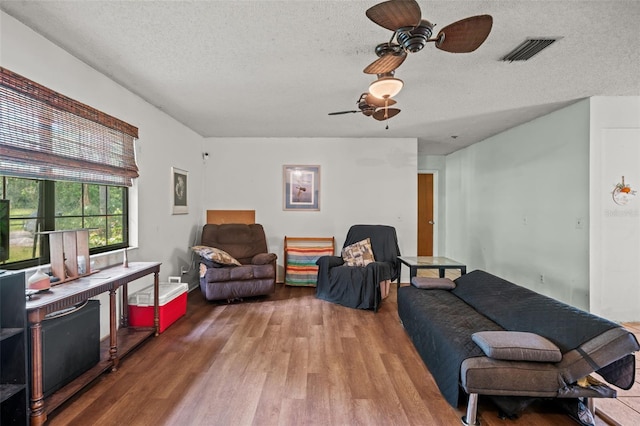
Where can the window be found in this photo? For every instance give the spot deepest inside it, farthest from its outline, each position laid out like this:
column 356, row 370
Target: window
column 63, row 165
column 39, row 205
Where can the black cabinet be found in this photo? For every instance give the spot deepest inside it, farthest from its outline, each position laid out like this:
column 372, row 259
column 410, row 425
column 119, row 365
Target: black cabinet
column 70, row 345
column 13, row 350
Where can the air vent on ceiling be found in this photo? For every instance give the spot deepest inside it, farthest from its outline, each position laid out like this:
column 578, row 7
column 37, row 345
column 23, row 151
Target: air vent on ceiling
column 528, row 48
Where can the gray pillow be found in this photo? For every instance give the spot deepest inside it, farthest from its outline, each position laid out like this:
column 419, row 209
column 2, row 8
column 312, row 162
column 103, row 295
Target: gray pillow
column 517, row 346
column 433, row 283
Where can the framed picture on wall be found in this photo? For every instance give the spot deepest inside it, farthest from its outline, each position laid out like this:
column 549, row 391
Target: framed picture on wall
column 301, row 187
column 179, row 181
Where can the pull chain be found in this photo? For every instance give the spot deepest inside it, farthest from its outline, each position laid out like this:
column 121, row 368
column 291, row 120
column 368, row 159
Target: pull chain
column 386, row 112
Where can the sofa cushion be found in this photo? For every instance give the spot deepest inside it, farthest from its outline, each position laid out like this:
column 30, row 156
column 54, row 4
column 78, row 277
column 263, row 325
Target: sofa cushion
column 358, row 254
column 433, row 283
column 517, row 308
column 517, row 346
column 488, row 376
column 215, row 255
column 440, row 326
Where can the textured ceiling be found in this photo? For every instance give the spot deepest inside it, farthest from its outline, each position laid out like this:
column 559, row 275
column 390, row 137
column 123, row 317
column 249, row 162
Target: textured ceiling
column 276, row 68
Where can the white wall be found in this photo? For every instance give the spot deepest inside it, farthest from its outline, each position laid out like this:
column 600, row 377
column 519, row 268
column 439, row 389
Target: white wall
column 517, row 205
column 163, row 143
column 371, row 181
column 615, row 229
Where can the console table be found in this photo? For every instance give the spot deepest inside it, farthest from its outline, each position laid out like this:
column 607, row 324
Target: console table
column 121, row 340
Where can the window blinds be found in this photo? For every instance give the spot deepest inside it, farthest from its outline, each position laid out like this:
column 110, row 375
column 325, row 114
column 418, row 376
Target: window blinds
column 46, row 135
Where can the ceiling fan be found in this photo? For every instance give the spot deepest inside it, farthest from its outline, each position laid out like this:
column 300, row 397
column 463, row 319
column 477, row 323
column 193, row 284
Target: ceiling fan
column 411, row 34
column 374, row 107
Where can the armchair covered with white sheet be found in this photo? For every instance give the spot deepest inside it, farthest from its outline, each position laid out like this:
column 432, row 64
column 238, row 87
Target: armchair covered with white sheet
column 361, row 277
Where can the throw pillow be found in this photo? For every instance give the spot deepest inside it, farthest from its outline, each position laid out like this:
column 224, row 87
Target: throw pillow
column 210, row 263
column 203, row 270
column 517, row 346
column 215, row 255
column 358, row 254
column 433, row 283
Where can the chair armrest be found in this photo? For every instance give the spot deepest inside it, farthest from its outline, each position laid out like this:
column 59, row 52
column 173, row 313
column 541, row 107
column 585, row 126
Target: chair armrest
column 329, row 261
column 263, row 258
column 383, row 270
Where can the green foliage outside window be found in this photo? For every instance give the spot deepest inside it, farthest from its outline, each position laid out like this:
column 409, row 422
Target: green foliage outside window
column 44, row 205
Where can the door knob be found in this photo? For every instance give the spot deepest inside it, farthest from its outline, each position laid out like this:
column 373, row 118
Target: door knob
column 431, row 222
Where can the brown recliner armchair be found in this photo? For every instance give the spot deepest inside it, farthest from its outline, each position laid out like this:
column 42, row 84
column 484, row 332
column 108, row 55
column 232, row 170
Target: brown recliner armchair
column 256, row 274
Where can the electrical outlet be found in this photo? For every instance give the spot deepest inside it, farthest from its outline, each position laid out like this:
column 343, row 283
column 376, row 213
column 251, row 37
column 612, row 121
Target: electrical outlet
column 542, row 278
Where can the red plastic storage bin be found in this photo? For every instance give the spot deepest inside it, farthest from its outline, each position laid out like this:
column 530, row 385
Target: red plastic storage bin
column 172, row 301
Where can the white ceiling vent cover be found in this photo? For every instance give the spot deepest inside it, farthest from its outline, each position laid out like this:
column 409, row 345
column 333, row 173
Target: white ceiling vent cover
column 528, row 48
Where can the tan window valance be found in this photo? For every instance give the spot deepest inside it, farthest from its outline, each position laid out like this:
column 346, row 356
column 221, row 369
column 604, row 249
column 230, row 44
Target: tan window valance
column 46, row 135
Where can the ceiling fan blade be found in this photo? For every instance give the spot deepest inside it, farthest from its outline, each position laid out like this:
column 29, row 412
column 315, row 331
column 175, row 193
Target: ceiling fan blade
column 377, row 102
column 386, row 63
column 466, row 35
column 343, row 112
column 385, row 113
column 395, row 14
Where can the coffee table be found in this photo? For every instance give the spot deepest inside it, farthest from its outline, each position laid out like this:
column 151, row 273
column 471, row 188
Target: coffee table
column 430, row 262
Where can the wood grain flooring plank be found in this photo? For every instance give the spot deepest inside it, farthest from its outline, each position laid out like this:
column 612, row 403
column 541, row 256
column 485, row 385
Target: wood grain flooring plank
column 317, row 349
column 413, row 405
column 367, row 412
column 631, row 402
column 296, row 379
column 292, row 412
column 382, row 392
column 359, row 381
column 316, row 316
column 318, row 401
column 242, row 406
column 269, row 409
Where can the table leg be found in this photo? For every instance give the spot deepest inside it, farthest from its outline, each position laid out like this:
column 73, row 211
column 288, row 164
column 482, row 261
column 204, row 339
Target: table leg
column 413, row 271
column 156, row 297
column 124, row 306
column 463, row 270
column 441, row 272
column 113, row 330
column 38, row 415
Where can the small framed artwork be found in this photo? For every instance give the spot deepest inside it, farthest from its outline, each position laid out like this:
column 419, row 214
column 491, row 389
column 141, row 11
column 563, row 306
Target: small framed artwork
column 301, row 187
column 179, row 182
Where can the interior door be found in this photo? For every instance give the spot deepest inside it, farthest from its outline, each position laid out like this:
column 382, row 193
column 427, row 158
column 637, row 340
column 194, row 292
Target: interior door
column 425, row 214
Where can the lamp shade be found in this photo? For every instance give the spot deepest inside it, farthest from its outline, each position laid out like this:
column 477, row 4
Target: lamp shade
column 386, row 87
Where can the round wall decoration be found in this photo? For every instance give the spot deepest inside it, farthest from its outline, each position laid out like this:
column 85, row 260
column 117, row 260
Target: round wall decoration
column 622, row 193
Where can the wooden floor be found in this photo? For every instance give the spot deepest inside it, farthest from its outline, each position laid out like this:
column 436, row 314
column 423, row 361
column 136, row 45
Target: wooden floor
column 625, row 409
column 288, row 359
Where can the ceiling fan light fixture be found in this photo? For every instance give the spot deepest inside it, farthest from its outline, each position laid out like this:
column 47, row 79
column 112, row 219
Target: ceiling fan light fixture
column 386, row 86
column 416, row 38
